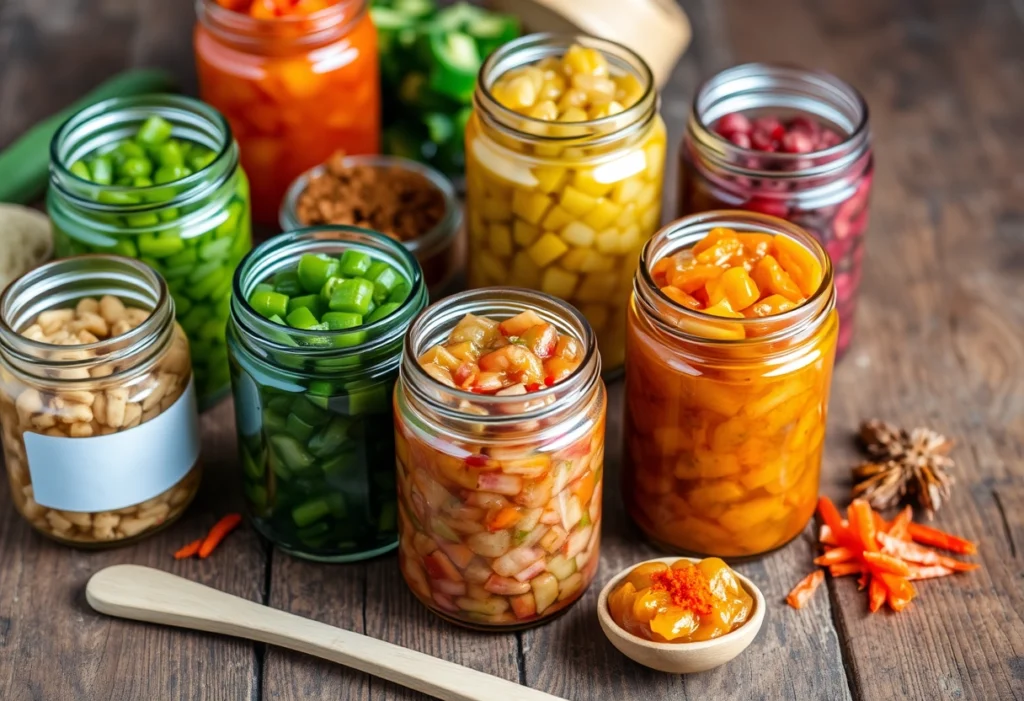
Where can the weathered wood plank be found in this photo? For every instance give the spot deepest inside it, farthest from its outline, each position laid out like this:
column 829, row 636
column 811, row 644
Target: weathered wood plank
column 940, row 324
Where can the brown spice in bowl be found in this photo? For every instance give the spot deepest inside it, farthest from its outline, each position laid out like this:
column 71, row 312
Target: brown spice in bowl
column 400, row 203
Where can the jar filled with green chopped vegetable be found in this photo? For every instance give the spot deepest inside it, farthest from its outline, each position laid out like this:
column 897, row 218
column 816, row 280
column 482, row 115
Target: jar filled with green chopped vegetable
column 318, row 318
column 157, row 178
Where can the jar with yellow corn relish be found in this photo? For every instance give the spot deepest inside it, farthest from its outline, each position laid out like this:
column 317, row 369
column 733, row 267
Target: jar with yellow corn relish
column 564, row 166
column 730, row 343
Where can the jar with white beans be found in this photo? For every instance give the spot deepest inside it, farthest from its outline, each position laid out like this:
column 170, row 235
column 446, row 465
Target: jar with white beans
column 97, row 403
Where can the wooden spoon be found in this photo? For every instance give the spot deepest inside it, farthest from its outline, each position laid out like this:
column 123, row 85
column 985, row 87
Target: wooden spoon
column 146, row 594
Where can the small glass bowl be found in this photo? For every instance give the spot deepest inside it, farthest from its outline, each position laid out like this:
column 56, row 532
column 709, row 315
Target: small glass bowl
column 439, row 250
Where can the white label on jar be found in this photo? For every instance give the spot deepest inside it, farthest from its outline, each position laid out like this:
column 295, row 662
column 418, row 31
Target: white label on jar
column 103, row 473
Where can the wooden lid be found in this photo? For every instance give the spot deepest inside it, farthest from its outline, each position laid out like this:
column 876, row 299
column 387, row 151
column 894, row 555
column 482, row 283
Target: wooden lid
column 658, row 30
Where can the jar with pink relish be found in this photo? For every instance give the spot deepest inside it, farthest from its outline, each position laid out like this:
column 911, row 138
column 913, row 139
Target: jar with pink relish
column 788, row 142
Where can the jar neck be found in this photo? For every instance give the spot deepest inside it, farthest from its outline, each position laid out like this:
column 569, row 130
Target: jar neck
column 783, row 91
column 371, row 348
column 105, row 124
column 284, row 35
column 706, row 336
column 60, row 285
column 465, row 410
column 607, row 133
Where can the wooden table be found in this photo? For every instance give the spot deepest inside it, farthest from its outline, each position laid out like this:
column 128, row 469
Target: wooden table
column 940, row 342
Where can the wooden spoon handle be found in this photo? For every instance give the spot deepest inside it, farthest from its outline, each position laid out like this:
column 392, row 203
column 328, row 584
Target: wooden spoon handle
column 146, row 594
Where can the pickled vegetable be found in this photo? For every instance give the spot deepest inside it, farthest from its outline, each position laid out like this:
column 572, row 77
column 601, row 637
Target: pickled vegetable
column 680, row 604
column 557, row 214
column 297, row 81
column 195, row 247
column 725, row 429
column 493, row 532
column 517, row 356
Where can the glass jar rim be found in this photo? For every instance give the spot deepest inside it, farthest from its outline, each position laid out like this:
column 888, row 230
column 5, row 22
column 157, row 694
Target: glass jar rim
column 95, row 273
column 286, row 248
column 683, row 233
column 325, row 23
column 533, row 47
column 732, row 83
column 439, row 236
column 440, row 317
column 108, row 113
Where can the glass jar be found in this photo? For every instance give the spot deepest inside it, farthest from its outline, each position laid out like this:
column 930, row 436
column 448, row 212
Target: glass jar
column 193, row 231
column 725, row 419
column 437, row 250
column 564, row 207
column 824, row 192
column 101, row 440
column 499, row 499
column 294, row 89
column 315, row 427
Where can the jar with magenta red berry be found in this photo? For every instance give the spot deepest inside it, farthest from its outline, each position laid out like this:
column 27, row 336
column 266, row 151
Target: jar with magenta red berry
column 787, row 142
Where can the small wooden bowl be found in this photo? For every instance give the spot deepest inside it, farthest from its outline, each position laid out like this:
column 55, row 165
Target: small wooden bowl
column 681, row 658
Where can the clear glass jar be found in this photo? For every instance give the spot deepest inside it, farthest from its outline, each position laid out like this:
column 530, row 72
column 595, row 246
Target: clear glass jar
column 101, row 439
column 193, row 231
column 564, row 207
column 295, row 89
column 725, row 418
column 438, row 250
column 315, row 427
column 465, row 458
column 825, row 192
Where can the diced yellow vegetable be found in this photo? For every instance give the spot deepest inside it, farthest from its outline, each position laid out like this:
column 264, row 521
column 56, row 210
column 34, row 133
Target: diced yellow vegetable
column 574, row 259
column 578, row 234
column 607, row 241
column 627, row 191
column 596, row 262
column 558, row 218
column 549, row 178
column 523, row 233
column 576, row 202
column 584, row 181
column 596, row 287
column 559, row 283
column 501, row 240
column 602, row 215
column 585, row 61
column 629, row 239
column 530, row 206
column 655, row 153
column 492, row 269
column 647, row 195
column 649, row 219
column 627, row 217
column 517, row 93
column 547, row 249
column 525, row 273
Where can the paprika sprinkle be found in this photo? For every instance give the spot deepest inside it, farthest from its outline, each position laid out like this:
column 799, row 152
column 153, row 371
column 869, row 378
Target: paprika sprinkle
column 686, row 602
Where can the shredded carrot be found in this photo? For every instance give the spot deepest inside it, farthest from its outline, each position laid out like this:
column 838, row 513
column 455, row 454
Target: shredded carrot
column 689, row 588
column 845, row 569
column 219, row 531
column 898, row 527
column 803, row 591
column 834, row 556
column 189, row 550
column 886, row 555
column 505, row 518
column 927, row 535
column 880, row 562
column 876, row 594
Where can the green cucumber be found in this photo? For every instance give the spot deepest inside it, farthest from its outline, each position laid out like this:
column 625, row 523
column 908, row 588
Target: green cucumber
column 26, row 162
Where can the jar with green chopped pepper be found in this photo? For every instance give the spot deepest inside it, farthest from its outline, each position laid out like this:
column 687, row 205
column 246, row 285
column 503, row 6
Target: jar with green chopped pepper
column 157, row 178
column 318, row 318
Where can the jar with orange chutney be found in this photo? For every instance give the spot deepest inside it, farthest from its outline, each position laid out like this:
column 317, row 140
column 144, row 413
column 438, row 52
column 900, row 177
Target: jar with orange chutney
column 296, row 83
column 725, row 408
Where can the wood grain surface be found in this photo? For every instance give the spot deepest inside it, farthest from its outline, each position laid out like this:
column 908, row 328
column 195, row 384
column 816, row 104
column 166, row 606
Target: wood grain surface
column 940, row 342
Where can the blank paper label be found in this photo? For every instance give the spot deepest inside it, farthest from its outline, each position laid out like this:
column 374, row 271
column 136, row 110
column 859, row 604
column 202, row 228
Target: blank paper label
column 103, row 473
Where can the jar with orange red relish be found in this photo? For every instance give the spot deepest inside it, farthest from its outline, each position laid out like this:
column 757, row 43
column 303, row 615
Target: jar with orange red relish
column 730, row 343
column 499, row 434
column 788, row 142
column 297, row 80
